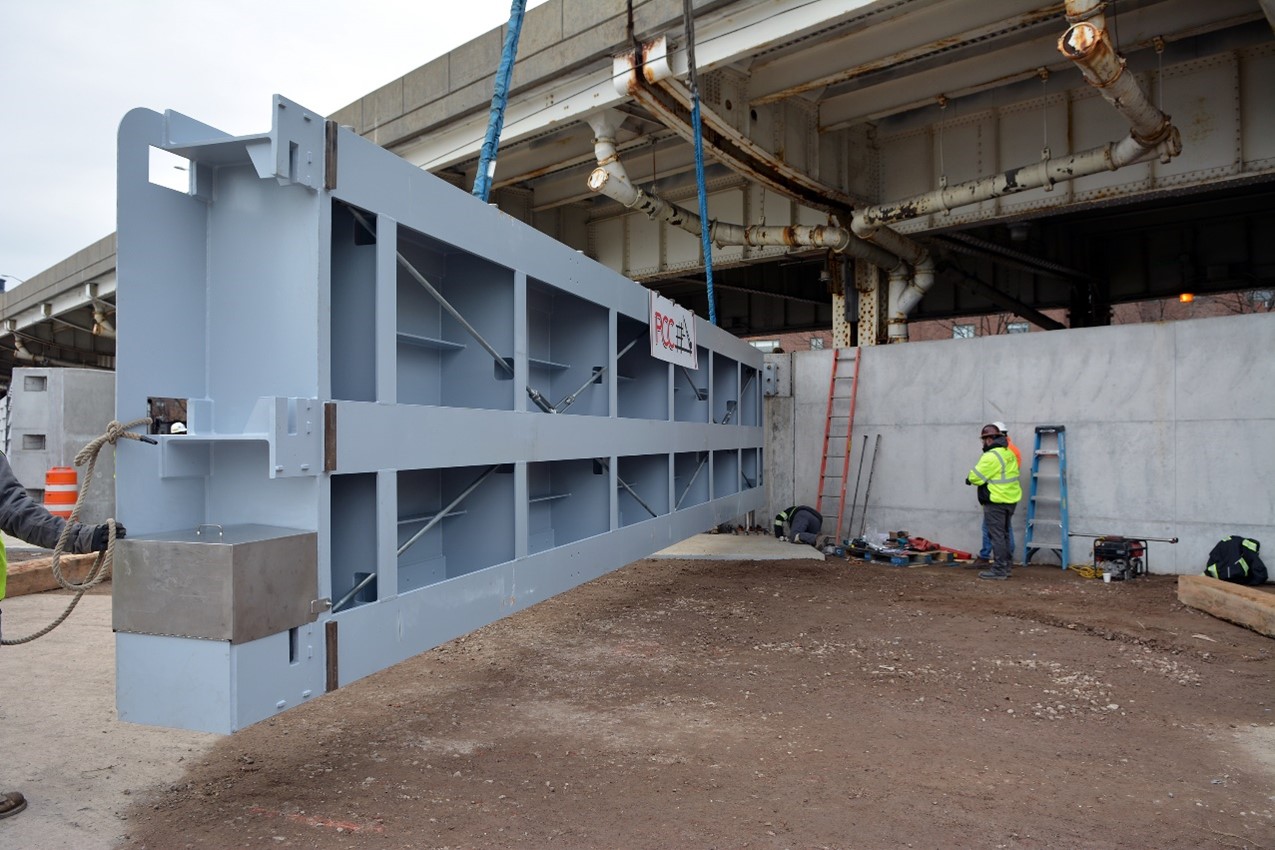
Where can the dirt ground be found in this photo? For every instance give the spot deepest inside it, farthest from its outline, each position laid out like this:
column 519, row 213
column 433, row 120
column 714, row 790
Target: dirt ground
column 803, row 704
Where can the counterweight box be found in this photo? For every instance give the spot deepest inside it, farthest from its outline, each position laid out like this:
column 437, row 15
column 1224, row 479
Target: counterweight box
column 236, row 583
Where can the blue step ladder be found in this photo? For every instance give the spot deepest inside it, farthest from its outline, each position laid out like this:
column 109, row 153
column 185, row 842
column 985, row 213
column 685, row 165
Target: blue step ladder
column 1048, row 491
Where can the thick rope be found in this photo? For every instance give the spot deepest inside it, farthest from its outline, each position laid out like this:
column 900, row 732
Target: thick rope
column 101, row 568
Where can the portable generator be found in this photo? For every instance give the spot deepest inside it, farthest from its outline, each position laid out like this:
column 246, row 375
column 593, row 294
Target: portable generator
column 1120, row 557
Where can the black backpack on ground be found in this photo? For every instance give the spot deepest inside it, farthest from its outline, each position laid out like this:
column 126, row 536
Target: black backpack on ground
column 1235, row 559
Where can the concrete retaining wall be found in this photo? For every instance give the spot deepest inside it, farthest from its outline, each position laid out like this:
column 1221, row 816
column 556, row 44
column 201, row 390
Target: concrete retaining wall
column 1170, row 431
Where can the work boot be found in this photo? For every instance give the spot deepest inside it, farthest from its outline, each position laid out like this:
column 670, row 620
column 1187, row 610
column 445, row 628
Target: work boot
column 994, row 575
column 12, row 803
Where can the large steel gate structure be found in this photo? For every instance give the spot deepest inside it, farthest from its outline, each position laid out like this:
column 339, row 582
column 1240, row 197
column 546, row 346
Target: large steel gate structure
column 406, row 415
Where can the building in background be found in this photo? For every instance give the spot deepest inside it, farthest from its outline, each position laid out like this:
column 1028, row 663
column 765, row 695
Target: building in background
column 53, row 413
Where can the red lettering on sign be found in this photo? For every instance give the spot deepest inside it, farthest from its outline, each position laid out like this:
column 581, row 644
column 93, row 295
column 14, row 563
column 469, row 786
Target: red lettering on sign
column 663, row 328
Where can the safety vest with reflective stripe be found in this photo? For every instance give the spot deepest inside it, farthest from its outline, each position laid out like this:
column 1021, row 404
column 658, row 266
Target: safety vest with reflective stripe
column 998, row 469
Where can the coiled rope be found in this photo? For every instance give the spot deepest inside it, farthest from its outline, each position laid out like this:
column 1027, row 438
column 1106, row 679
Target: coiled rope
column 101, row 568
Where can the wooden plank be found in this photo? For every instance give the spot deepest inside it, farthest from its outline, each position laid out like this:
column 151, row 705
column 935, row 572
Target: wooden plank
column 1250, row 607
column 36, row 575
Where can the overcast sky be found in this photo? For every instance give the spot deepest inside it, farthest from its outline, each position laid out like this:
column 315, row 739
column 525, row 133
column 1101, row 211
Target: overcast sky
column 71, row 69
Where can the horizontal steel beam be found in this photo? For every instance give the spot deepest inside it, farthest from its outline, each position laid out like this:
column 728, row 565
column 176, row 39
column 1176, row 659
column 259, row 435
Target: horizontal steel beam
column 723, row 38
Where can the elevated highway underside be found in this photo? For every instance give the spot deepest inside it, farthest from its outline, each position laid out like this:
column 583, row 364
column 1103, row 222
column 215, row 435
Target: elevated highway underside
column 815, row 111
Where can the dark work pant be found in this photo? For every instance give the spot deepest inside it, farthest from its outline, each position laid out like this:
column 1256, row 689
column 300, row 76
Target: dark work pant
column 986, row 551
column 805, row 527
column 997, row 518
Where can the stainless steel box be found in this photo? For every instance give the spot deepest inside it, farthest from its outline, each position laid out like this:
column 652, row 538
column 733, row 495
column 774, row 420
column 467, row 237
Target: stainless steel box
column 236, row 583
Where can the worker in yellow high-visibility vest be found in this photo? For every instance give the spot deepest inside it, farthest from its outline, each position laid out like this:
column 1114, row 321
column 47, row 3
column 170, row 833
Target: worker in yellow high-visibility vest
column 999, row 492
column 985, row 551
column 28, row 520
column 804, row 524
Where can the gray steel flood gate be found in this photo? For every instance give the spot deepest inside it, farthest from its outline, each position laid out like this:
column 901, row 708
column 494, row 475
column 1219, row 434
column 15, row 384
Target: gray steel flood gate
column 408, row 415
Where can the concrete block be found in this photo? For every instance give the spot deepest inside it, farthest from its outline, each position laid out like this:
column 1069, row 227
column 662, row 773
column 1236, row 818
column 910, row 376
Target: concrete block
column 1120, row 375
column 473, row 97
column 457, row 103
column 385, row 104
column 350, row 116
column 579, row 16
column 1118, row 469
column 409, row 126
column 594, row 44
column 564, row 58
column 940, row 389
column 810, row 375
column 541, row 29
column 778, row 450
column 655, row 17
column 1223, row 473
column 427, row 84
column 476, row 60
column 1242, row 370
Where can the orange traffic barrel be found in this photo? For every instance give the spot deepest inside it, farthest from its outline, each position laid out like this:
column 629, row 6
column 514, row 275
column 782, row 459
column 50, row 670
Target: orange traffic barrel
column 60, row 486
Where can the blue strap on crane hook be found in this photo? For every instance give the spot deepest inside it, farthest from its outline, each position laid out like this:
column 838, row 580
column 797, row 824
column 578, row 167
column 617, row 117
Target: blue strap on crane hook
column 705, row 241
column 499, row 97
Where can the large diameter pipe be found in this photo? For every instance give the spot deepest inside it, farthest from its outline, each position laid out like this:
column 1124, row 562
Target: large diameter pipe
column 893, row 242
column 922, row 281
column 611, row 179
column 904, row 294
column 838, row 239
column 1108, row 157
column 1089, row 47
column 1086, row 10
column 1151, row 132
column 880, row 246
column 898, row 322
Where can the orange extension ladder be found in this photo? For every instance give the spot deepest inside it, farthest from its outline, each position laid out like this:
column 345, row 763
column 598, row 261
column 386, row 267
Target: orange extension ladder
column 834, row 468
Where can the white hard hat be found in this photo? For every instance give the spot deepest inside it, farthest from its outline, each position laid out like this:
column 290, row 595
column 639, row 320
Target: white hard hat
column 178, row 428
column 1000, row 426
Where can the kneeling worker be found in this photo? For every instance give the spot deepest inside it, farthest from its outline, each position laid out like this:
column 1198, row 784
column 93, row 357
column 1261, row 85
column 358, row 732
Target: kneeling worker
column 804, row 524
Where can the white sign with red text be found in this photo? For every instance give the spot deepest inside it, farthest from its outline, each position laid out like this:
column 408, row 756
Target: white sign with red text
column 673, row 333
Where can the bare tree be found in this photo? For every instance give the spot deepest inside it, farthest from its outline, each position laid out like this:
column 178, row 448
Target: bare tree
column 1248, row 301
column 993, row 324
column 1152, row 311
